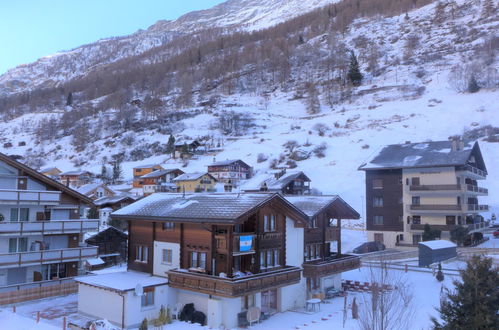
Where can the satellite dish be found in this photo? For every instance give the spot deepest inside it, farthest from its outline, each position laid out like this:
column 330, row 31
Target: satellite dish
column 139, row 290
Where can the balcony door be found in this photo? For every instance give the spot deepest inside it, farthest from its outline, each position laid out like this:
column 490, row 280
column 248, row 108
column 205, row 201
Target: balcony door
column 269, row 302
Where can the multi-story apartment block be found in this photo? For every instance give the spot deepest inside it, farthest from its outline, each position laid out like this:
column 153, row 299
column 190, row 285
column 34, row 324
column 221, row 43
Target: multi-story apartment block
column 230, row 172
column 413, row 184
column 40, row 233
column 225, row 253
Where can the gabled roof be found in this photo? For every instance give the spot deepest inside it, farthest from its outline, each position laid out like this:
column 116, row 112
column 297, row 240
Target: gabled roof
column 103, row 232
column 113, row 199
column 75, row 172
column 202, row 208
column 228, row 162
column 49, row 169
column 45, row 179
column 156, row 174
column 147, row 166
column 88, row 188
column 273, row 184
column 424, row 154
column 312, row 206
column 192, row 177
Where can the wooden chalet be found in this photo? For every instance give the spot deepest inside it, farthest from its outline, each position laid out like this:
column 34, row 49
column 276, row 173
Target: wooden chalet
column 51, row 172
column 112, row 246
column 195, row 182
column 96, row 190
column 75, row 179
column 160, row 181
column 287, row 183
column 186, row 149
column 143, row 170
column 230, row 172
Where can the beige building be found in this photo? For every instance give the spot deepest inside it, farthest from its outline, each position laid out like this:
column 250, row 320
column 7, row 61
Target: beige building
column 413, row 184
column 195, row 182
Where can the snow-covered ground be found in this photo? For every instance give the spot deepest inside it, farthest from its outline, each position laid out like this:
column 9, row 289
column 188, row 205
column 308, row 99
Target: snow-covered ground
column 425, row 288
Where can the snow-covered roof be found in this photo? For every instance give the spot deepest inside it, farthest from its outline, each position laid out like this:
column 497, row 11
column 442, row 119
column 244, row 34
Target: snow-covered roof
column 214, row 207
column 424, row 154
column 76, row 172
column 159, row 173
column 313, row 205
column 113, row 199
column 227, row 162
column 438, row 244
column 48, row 169
column 95, row 261
column 189, row 176
column 87, row 188
column 271, row 183
column 147, row 166
column 123, row 281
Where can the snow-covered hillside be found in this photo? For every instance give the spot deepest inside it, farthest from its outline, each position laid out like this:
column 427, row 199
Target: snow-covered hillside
column 233, row 14
column 413, row 98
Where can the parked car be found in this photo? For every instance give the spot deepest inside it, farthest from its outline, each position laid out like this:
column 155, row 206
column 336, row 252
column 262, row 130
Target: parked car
column 369, row 247
column 496, row 234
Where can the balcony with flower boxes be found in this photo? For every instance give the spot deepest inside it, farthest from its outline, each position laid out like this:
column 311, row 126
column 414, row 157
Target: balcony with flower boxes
column 29, row 197
column 7, row 228
column 20, row 259
column 331, row 265
column 233, row 287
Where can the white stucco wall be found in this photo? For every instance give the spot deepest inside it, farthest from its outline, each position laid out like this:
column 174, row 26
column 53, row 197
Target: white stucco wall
column 160, row 268
column 199, row 300
column 294, row 244
column 292, row 295
column 101, row 303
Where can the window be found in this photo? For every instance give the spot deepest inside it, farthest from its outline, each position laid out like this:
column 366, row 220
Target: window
column 141, row 253
column 168, row 226
column 138, row 170
column 450, row 220
column 248, row 301
column 19, row 214
column 166, row 256
column 378, row 201
column 415, row 181
column 269, row 223
column 377, row 183
column 269, row 258
column 18, row 244
column 378, row 220
column 313, row 251
column 314, row 223
column 416, row 200
column 416, row 219
column 147, row 297
column 198, row 260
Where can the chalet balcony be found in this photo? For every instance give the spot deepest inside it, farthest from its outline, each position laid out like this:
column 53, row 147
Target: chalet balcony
column 334, row 265
column 243, row 243
column 474, row 172
column 233, row 287
column 19, row 259
column 29, row 197
column 332, row 234
column 471, row 227
column 48, row 227
column 477, row 208
column 477, row 190
column 434, row 208
column 436, row 188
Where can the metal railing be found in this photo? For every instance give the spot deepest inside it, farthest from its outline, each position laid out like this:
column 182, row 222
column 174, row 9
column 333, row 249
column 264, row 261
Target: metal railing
column 475, row 170
column 30, row 196
column 477, row 207
column 435, row 187
column 476, row 189
column 48, row 227
column 47, row 256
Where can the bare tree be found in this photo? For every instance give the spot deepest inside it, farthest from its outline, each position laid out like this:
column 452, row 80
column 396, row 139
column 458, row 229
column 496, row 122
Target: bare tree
column 389, row 305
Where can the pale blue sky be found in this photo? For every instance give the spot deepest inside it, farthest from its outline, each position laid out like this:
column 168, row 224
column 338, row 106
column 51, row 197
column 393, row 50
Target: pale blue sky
column 30, row 29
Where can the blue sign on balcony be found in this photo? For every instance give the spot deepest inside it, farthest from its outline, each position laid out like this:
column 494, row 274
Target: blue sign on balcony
column 245, row 243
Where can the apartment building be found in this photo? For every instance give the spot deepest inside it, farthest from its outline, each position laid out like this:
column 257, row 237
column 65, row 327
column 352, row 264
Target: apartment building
column 225, row 253
column 413, row 184
column 40, row 233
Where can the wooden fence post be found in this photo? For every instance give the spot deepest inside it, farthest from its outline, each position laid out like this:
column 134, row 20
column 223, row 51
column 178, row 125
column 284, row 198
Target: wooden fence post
column 38, row 317
column 64, row 323
column 13, row 309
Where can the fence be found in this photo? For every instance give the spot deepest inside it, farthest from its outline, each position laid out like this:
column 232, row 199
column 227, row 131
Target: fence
column 13, row 294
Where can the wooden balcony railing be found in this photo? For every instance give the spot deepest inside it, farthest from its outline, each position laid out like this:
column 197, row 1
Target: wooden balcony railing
column 332, row 234
column 33, row 197
column 233, row 287
column 17, row 293
column 331, row 266
column 47, row 256
column 48, row 227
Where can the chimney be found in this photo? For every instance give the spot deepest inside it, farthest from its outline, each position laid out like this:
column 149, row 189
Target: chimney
column 454, row 145
column 461, row 145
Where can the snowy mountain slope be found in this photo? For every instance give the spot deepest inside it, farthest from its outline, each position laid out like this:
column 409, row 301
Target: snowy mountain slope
column 413, row 98
column 238, row 14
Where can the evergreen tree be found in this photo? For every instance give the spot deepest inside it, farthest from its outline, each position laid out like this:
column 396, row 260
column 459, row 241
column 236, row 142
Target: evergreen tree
column 429, row 234
column 458, row 235
column 69, row 100
column 440, row 275
column 354, row 75
column 103, row 173
column 475, row 301
column 170, row 146
column 473, row 85
column 312, row 102
column 93, row 214
column 117, row 171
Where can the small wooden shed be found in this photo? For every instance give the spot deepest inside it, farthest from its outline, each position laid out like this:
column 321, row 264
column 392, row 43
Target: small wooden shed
column 436, row 251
